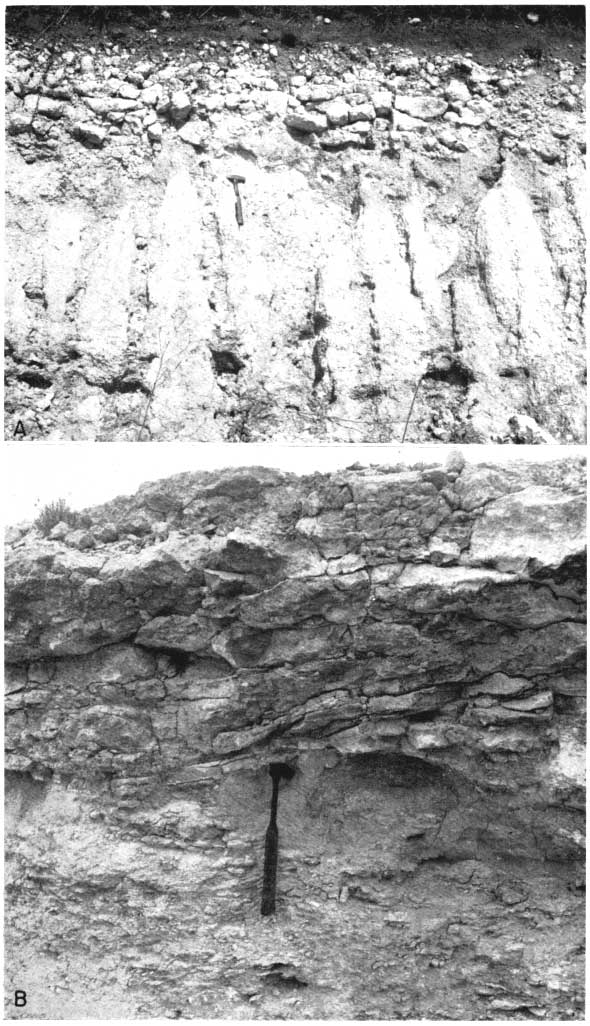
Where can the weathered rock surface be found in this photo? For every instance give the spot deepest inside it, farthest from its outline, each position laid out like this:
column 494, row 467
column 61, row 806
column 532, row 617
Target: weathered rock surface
column 410, row 640
column 410, row 222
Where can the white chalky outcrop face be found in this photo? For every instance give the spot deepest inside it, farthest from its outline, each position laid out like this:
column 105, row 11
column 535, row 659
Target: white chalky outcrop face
column 413, row 234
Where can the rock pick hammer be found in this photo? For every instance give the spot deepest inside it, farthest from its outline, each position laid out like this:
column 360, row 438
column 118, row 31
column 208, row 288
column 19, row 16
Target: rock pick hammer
column 236, row 181
column 278, row 771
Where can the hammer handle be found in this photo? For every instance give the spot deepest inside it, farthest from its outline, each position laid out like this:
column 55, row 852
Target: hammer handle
column 269, row 878
column 239, row 213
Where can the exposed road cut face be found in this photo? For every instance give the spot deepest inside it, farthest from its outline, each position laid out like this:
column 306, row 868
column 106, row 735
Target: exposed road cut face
column 411, row 258
column 409, row 641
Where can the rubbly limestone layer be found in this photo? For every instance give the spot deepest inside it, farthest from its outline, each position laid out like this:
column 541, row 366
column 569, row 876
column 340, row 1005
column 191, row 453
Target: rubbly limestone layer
column 411, row 642
column 412, row 224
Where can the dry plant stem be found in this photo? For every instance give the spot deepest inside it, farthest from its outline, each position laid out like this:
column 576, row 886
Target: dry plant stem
column 411, row 408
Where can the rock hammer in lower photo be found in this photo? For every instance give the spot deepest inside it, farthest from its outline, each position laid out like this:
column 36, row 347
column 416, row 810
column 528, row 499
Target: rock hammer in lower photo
column 278, row 771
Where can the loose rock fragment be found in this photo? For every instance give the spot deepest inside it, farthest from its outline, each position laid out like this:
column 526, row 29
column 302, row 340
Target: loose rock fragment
column 426, row 108
column 307, row 122
column 92, row 135
column 337, row 113
column 180, row 107
column 194, row 133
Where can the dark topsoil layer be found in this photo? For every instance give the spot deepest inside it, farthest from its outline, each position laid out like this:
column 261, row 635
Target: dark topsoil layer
column 481, row 29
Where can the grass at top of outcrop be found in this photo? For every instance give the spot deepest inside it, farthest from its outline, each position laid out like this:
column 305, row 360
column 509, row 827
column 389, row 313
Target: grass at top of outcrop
column 481, row 28
column 379, row 14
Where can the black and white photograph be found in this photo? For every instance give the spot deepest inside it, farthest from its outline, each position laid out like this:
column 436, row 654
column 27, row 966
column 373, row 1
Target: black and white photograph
column 297, row 745
column 295, row 223
column 294, row 473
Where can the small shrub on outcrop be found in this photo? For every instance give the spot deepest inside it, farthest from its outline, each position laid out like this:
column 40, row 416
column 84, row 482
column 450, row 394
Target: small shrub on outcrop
column 289, row 39
column 55, row 513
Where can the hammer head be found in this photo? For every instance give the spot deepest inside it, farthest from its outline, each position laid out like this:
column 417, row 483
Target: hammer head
column 281, row 771
column 236, row 179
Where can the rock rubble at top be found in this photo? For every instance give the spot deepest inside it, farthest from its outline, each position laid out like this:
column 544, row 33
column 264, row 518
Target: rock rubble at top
column 350, row 96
